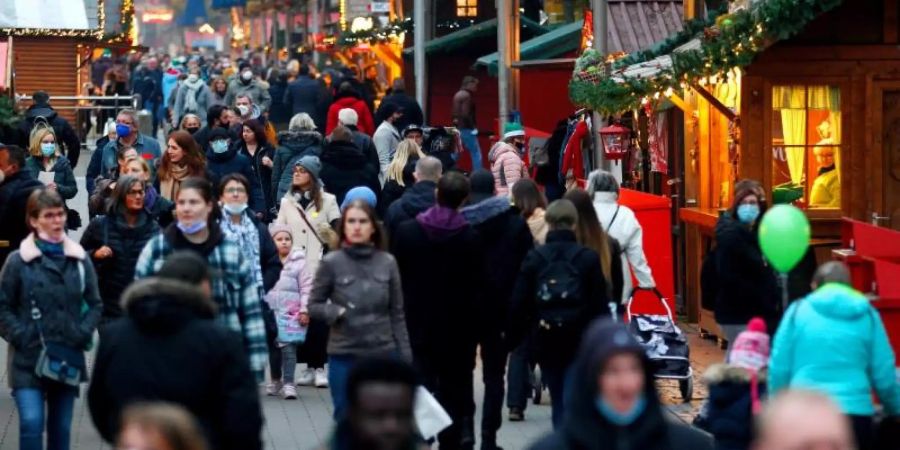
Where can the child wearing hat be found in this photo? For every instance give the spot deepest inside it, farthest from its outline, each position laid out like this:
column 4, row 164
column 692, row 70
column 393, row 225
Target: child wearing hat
column 506, row 160
column 736, row 389
column 288, row 300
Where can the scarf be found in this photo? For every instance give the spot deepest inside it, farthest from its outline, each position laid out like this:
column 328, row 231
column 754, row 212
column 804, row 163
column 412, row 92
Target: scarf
column 49, row 248
column 190, row 97
column 246, row 235
column 169, row 187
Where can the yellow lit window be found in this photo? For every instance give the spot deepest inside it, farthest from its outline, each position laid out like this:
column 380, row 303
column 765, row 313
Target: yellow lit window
column 466, row 8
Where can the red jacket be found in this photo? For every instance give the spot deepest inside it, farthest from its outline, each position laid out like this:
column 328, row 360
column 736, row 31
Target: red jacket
column 572, row 159
column 365, row 124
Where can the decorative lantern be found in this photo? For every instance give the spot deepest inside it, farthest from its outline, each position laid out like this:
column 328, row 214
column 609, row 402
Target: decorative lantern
column 616, row 141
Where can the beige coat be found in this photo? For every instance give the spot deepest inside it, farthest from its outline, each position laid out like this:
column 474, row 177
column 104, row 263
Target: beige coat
column 538, row 226
column 305, row 238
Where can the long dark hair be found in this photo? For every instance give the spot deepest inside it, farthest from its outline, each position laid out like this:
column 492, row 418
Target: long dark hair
column 258, row 131
column 377, row 236
column 527, row 197
column 588, row 229
column 123, row 185
column 205, row 189
column 193, row 157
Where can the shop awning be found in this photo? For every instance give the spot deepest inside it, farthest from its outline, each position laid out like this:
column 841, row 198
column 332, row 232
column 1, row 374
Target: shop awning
column 552, row 44
column 705, row 47
column 459, row 39
column 48, row 14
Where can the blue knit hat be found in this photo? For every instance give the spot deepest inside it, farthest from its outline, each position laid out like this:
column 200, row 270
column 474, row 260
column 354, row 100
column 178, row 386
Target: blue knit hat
column 359, row 193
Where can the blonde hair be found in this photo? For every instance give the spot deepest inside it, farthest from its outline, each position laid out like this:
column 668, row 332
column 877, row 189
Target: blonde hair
column 37, row 135
column 171, row 422
column 141, row 162
column 405, row 150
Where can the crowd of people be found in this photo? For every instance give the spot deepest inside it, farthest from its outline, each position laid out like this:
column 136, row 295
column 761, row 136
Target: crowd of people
column 293, row 222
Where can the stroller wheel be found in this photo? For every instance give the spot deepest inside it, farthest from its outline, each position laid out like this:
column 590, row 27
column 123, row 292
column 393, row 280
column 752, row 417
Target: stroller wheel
column 686, row 386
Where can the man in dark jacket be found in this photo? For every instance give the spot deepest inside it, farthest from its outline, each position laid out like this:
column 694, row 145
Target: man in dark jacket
column 344, row 166
column 536, row 303
column 170, row 349
column 147, row 81
column 619, row 411
column 214, row 119
column 412, row 112
column 41, row 112
column 507, row 239
column 16, row 186
column 305, row 95
column 441, row 292
column 349, row 118
column 222, row 159
column 417, row 198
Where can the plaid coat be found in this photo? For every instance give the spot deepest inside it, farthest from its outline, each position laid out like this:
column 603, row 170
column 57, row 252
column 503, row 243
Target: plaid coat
column 234, row 290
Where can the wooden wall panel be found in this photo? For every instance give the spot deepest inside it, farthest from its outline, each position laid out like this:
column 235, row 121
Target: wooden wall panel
column 48, row 64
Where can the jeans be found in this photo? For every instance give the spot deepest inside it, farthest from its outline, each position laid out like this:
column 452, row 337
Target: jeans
column 470, row 142
column 339, row 367
column 521, row 368
column 154, row 109
column 493, row 360
column 555, row 378
column 288, row 361
column 30, row 403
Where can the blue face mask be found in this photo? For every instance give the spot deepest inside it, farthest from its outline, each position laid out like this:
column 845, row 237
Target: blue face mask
column 748, row 214
column 621, row 419
column 48, row 149
column 192, row 228
column 220, row 146
column 235, row 209
column 122, row 130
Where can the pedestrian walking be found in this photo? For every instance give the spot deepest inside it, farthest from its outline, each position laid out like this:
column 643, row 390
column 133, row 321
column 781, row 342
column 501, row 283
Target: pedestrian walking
column 105, row 183
column 305, row 95
column 803, row 419
column 170, row 348
column 193, row 98
column 417, row 198
column 350, row 119
column 190, row 123
column 613, row 400
column 280, row 112
column 128, row 136
column 348, row 97
column 160, row 209
column 160, row 426
column 300, row 140
column 357, row 293
column 834, row 342
column 16, row 186
column 114, row 241
column 49, row 308
column 620, row 222
column 591, row 234
column 183, row 159
column 40, row 113
column 246, row 84
column 344, row 165
column 216, row 117
column 560, row 290
column 507, row 240
column 45, row 156
column 531, row 202
column 464, row 118
column 218, row 89
column 387, row 137
column 400, row 174
column 236, row 290
column 440, row 255
column 222, row 159
column 255, row 145
column 506, row 158
column 146, row 81
column 412, row 111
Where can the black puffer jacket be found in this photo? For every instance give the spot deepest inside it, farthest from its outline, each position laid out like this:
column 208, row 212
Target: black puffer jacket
column 728, row 413
column 415, row 200
column 747, row 285
column 262, row 172
column 293, row 145
column 170, row 349
column 14, row 193
column 365, row 143
column 344, row 166
column 117, row 272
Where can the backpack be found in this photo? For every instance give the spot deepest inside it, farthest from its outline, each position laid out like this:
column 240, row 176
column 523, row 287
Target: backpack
column 559, row 290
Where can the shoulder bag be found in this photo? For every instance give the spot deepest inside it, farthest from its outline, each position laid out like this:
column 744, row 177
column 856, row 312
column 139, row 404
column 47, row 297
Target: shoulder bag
column 57, row 362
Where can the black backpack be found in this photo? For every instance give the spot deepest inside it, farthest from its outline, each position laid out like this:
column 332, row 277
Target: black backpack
column 559, row 290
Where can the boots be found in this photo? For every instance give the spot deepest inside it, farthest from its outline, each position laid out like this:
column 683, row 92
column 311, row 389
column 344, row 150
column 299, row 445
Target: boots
column 489, row 441
column 467, row 433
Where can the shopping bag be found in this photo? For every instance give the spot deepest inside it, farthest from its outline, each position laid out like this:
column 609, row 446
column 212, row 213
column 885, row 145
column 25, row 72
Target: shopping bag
column 430, row 416
column 289, row 329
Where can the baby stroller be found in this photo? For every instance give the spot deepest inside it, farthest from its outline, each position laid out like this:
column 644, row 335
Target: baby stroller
column 666, row 346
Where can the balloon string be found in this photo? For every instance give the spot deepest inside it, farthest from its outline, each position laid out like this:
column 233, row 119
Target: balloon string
column 785, row 296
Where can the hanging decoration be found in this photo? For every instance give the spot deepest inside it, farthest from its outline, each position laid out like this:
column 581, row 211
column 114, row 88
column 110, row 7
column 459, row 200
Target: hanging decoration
column 126, row 21
column 392, row 31
column 727, row 40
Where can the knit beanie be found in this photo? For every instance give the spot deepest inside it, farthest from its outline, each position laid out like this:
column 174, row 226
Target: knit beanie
column 750, row 351
column 312, row 165
column 276, row 228
column 359, row 193
column 512, row 129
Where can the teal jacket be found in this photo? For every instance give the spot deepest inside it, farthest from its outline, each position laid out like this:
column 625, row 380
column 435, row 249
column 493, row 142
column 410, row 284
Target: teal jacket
column 834, row 342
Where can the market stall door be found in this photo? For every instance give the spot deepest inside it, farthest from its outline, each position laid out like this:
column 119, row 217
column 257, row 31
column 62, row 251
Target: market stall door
column 886, row 212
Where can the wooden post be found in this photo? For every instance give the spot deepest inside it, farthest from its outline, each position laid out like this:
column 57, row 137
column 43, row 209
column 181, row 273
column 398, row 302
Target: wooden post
column 419, row 55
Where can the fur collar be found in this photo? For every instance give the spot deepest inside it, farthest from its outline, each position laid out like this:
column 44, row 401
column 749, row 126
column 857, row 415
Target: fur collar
column 721, row 373
column 179, row 291
column 29, row 250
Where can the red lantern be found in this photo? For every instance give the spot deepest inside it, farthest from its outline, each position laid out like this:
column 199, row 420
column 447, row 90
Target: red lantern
column 616, row 141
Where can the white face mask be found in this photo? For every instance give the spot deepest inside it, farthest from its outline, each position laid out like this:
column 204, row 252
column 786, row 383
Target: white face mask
column 247, row 75
column 244, row 109
column 192, row 78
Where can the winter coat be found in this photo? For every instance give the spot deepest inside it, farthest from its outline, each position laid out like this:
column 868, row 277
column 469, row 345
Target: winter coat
column 234, row 289
column 148, row 83
column 393, row 190
column 170, row 349
column 507, row 240
column 220, row 164
column 584, row 428
column 412, row 112
column 440, row 288
column 279, row 112
column 292, row 145
column 538, row 226
column 728, row 413
column 747, row 285
column 311, row 240
column 147, row 148
column 620, row 222
column 117, row 272
column 63, row 175
column 66, row 137
column 365, row 143
column 344, row 166
column 69, row 303
column 258, row 93
column 835, row 342
column 357, row 292
column 365, row 123
column 386, row 139
column 261, row 172
column 159, row 208
column 549, row 173
column 305, row 95
column 415, row 200
column 201, row 95
column 290, row 295
column 14, row 193
column 558, row 348
column 507, row 167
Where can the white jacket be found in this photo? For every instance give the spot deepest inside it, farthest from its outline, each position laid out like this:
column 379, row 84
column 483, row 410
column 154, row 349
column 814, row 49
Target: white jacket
column 307, row 238
column 627, row 230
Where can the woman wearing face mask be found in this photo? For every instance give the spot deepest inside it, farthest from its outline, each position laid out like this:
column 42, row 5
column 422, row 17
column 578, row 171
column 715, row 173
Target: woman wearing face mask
column 357, row 292
column 223, row 159
column 46, row 157
column 236, row 289
column 218, row 89
column 747, row 285
column 506, row 160
column 613, row 402
column 53, row 274
column 114, row 241
column 192, row 98
column 182, row 160
column 159, row 208
column 255, row 146
column 190, row 123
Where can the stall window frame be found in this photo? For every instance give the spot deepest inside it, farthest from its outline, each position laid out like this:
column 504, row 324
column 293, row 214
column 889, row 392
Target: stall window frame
column 467, row 8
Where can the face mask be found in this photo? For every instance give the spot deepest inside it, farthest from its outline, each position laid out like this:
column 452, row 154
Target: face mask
column 191, row 228
column 235, row 209
column 122, row 130
column 748, row 214
column 244, row 109
column 220, row 146
column 48, row 149
column 192, row 78
column 46, row 237
column 621, row 419
column 246, row 75
column 192, row 130
column 520, row 146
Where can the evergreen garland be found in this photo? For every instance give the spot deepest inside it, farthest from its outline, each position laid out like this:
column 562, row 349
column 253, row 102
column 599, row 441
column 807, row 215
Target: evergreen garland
column 375, row 35
column 728, row 41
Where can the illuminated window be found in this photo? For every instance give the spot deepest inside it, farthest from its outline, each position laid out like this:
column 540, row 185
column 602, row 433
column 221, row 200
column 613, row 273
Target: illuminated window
column 806, row 144
column 466, row 8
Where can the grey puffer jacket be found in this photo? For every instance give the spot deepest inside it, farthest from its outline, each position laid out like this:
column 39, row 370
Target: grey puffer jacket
column 70, row 307
column 366, row 309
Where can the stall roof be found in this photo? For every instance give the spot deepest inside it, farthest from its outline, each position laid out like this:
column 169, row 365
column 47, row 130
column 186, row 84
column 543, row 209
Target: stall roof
column 52, row 14
column 634, row 25
column 457, row 39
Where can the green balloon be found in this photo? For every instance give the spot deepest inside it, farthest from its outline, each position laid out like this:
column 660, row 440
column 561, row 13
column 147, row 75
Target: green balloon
column 784, row 236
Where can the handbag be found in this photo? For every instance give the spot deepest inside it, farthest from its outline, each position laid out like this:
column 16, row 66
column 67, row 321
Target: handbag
column 57, row 362
column 289, row 329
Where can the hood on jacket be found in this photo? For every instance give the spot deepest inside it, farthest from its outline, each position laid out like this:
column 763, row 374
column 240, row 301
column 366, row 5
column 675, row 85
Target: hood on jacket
column 839, row 301
column 501, row 148
column 726, row 373
column 418, row 198
column 343, row 154
column 441, row 223
column 485, row 210
column 40, row 110
column 226, row 156
column 299, row 140
column 160, row 305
